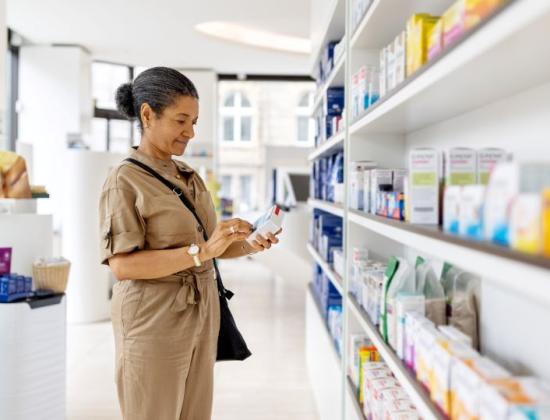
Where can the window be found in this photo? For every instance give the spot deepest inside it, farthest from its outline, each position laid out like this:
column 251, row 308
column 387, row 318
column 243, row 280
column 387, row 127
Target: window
column 245, row 195
column 237, row 115
column 305, row 123
column 106, row 78
column 110, row 130
column 225, row 191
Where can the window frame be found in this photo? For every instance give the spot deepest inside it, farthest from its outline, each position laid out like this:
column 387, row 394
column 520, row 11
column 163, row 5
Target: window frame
column 113, row 114
column 237, row 113
column 305, row 111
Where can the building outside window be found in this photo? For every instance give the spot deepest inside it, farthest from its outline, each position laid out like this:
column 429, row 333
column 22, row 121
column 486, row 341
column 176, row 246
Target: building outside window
column 305, row 124
column 236, row 113
column 245, row 197
column 226, row 184
column 110, row 130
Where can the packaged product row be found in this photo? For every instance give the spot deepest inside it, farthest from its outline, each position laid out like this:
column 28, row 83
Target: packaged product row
column 326, row 234
column 330, row 119
column 478, row 194
column 330, row 301
column 330, row 54
column 461, row 382
column 379, row 393
column 327, row 178
column 424, row 38
column 444, row 294
column 430, row 320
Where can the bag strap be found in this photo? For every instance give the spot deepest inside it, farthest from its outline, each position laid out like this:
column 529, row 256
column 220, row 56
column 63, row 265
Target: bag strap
column 176, row 190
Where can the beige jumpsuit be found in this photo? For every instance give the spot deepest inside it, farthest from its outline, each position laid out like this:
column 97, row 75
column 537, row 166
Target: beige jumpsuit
column 166, row 329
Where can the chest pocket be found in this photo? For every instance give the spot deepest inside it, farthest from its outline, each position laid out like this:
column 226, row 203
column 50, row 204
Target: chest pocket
column 170, row 224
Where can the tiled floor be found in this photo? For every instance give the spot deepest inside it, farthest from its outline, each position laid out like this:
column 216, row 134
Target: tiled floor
column 271, row 385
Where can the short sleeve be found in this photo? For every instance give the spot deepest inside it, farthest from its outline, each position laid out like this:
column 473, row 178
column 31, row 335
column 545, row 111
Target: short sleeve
column 122, row 228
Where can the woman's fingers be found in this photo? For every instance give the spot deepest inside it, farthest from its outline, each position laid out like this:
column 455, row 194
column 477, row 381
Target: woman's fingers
column 272, row 238
column 263, row 241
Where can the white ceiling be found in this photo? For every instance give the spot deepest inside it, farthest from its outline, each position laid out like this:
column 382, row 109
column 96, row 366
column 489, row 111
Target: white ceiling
column 160, row 32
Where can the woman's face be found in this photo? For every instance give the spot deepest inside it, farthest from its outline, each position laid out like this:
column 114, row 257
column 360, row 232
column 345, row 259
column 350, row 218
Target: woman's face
column 174, row 127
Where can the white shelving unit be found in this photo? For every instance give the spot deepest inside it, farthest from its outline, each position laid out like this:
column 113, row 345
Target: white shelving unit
column 490, row 89
column 335, row 279
column 332, row 208
column 330, row 147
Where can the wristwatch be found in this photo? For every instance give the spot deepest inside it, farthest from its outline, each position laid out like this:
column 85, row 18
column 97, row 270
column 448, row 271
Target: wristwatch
column 193, row 252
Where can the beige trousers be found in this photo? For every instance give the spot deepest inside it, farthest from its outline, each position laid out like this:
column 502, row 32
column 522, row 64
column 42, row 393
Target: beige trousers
column 166, row 334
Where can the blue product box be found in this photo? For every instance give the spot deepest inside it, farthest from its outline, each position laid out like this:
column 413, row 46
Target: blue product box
column 14, row 287
column 20, row 282
column 335, row 101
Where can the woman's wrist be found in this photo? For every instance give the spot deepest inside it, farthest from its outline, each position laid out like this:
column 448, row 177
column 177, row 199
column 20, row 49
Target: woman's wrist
column 204, row 253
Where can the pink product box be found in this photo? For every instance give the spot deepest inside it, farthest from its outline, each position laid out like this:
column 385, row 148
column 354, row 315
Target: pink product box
column 5, row 260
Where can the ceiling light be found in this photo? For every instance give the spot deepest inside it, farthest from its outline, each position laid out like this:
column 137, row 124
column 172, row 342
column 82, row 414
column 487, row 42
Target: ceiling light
column 257, row 38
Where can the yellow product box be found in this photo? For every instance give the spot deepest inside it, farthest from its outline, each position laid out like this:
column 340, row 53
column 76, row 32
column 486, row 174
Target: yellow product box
column 525, row 397
column 546, row 222
column 467, row 379
column 526, row 231
column 435, row 42
column 479, row 10
column 454, row 22
column 419, row 28
column 446, row 354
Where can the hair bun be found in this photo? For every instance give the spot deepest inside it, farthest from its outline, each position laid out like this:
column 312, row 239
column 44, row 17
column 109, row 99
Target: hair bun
column 124, row 98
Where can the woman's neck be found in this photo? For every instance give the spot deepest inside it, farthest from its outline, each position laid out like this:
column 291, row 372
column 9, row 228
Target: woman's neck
column 148, row 148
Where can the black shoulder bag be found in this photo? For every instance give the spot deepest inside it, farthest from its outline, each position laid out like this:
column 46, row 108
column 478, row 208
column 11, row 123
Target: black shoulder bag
column 231, row 344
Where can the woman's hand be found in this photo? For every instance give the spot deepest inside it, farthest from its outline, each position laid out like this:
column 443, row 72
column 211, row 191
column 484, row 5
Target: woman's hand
column 262, row 243
column 226, row 233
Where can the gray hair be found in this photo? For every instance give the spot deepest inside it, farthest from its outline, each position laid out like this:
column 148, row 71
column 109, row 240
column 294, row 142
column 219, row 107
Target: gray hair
column 158, row 86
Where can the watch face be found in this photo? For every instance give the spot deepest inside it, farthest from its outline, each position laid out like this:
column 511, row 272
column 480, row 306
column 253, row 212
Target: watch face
column 193, row 250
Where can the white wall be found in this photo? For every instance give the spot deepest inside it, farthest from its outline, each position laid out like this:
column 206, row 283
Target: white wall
column 90, row 282
column 55, row 99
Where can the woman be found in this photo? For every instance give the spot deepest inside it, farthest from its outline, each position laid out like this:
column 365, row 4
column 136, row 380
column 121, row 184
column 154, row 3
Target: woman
column 165, row 306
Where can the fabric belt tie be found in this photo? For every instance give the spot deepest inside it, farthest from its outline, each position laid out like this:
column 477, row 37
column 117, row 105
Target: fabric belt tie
column 189, row 294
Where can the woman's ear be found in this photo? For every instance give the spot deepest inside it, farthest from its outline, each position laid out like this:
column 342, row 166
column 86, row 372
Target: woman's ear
column 146, row 113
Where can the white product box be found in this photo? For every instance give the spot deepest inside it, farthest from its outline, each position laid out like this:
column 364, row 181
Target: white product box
column 467, row 380
column 515, row 398
column 425, row 169
column 383, row 72
column 461, row 166
column 339, row 262
column 445, row 353
column 270, row 222
column 406, row 304
column 339, row 193
column 470, row 211
column 400, row 58
column 362, row 88
column 451, row 207
column 357, row 183
column 355, row 95
column 378, row 177
column 399, row 177
column 487, row 159
column 391, row 69
column 502, row 189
